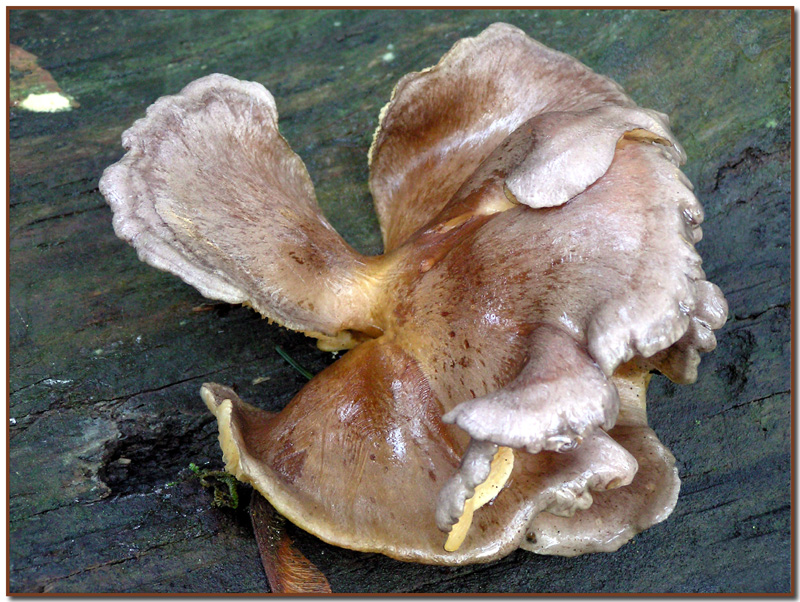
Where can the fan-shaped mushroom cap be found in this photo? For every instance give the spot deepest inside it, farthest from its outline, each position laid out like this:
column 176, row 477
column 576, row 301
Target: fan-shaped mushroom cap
column 616, row 516
column 562, row 276
column 210, row 191
column 360, row 466
column 540, row 262
column 443, row 122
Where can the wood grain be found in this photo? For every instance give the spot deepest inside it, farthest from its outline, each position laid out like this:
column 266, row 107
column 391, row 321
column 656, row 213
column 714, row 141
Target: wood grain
column 107, row 354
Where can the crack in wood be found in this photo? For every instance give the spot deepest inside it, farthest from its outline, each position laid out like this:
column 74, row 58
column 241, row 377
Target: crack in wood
column 62, row 215
column 751, row 401
column 758, row 314
column 47, row 585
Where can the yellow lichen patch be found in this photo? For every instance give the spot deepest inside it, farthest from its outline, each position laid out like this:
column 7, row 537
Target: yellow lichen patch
column 499, row 471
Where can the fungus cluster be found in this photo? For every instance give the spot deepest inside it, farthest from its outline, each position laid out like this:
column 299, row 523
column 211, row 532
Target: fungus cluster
column 539, row 264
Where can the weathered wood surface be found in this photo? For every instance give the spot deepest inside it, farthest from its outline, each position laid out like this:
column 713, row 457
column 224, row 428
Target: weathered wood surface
column 107, row 354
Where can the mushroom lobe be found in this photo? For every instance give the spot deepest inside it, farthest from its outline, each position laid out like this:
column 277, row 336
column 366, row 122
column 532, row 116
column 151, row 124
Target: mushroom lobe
column 539, row 264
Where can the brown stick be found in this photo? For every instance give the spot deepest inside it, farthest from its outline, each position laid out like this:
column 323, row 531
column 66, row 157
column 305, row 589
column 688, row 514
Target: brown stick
column 288, row 570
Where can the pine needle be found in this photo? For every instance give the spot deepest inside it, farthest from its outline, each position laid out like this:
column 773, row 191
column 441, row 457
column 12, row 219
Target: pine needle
column 293, row 363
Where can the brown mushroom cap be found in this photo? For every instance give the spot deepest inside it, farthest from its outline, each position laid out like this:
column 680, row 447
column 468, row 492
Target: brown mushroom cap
column 359, row 466
column 616, row 516
column 210, row 191
column 442, row 123
column 530, row 284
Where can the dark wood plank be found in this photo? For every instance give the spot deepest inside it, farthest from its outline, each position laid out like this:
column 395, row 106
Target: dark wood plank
column 107, row 354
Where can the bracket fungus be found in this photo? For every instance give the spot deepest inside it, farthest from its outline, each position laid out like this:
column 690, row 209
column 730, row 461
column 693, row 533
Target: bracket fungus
column 539, row 264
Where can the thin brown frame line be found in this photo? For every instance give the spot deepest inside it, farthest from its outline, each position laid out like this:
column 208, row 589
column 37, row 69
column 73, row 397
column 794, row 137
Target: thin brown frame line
column 400, row 7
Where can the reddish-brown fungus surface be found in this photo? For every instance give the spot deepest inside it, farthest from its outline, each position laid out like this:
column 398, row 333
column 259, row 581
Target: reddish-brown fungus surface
column 539, row 264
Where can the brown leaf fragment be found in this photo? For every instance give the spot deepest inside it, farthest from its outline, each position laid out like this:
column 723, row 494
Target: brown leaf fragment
column 288, row 570
column 29, row 82
column 204, row 307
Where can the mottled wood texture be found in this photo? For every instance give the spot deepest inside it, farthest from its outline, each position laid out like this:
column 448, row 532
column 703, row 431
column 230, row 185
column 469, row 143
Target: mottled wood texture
column 107, row 354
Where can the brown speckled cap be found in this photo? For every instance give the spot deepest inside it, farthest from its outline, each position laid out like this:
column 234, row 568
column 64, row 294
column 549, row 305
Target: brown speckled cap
column 539, row 263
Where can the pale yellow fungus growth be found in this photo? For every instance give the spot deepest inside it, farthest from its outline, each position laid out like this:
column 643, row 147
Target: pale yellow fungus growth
column 230, row 451
column 499, row 471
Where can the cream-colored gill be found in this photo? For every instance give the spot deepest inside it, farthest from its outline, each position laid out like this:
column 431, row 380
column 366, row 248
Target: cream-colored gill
column 499, row 471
